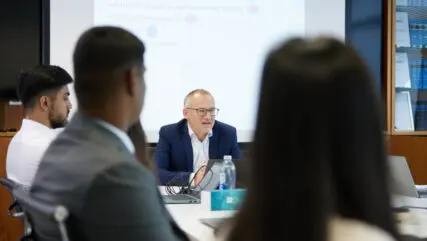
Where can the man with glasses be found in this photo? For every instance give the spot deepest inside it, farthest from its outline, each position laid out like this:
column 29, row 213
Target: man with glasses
column 185, row 147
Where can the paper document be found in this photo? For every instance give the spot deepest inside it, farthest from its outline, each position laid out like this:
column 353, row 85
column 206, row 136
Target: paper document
column 421, row 187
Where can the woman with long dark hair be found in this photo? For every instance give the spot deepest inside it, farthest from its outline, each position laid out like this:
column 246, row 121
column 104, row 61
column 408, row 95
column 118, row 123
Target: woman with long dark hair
column 318, row 163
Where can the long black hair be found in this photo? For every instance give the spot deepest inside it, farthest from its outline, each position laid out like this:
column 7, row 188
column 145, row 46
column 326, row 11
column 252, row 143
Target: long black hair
column 318, row 148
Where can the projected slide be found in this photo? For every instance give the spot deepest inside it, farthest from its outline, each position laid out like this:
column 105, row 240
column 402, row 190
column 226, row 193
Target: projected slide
column 216, row 45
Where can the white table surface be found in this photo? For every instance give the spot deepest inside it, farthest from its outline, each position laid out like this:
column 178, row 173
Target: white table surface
column 187, row 217
column 413, row 223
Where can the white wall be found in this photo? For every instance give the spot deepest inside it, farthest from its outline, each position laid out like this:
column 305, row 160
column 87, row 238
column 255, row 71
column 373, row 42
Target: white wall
column 69, row 18
column 325, row 17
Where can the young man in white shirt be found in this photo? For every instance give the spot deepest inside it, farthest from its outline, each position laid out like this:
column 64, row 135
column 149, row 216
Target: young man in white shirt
column 44, row 94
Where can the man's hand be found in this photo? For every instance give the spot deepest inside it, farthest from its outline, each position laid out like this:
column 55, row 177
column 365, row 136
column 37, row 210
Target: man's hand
column 137, row 135
column 200, row 174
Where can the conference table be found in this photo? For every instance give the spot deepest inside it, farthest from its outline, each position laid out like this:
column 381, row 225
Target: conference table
column 188, row 218
column 188, row 215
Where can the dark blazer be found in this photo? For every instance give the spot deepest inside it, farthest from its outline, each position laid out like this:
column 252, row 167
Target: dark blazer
column 174, row 152
column 110, row 195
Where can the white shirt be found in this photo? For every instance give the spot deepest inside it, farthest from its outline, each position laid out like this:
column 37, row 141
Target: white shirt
column 123, row 136
column 26, row 150
column 200, row 150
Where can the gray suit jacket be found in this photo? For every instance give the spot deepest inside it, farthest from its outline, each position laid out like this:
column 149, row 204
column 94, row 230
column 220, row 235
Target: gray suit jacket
column 109, row 194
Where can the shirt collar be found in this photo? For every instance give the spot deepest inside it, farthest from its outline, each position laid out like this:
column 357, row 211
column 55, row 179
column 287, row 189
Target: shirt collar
column 34, row 124
column 191, row 132
column 120, row 134
column 31, row 127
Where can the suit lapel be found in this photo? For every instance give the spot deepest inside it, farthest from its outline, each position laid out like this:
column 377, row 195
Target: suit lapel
column 214, row 145
column 188, row 149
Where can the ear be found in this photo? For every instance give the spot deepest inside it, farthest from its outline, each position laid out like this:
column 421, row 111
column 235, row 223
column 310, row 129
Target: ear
column 132, row 76
column 44, row 103
column 185, row 113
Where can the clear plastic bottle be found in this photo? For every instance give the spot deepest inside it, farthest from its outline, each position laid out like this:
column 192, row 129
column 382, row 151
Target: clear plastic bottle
column 227, row 174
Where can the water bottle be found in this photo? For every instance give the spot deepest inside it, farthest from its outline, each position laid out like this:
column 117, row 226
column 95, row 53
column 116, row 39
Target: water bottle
column 227, row 174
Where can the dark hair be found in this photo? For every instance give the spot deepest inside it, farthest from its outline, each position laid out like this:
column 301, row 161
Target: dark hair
column 318, row 149
column 100, row 53
column 40, row 80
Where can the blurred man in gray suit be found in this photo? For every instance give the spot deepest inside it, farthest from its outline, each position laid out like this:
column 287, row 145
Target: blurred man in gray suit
column 91, row 167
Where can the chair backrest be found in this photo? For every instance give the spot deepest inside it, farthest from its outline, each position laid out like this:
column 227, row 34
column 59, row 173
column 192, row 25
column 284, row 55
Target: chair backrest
column 9, row 185
column 47, row 221
column 15, row 209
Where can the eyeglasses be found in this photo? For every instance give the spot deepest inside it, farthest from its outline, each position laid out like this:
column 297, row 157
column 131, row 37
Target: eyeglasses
column 203, row 111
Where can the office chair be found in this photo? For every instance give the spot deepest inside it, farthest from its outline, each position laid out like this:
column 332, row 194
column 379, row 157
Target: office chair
column 42, row 218
column 15, row 209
